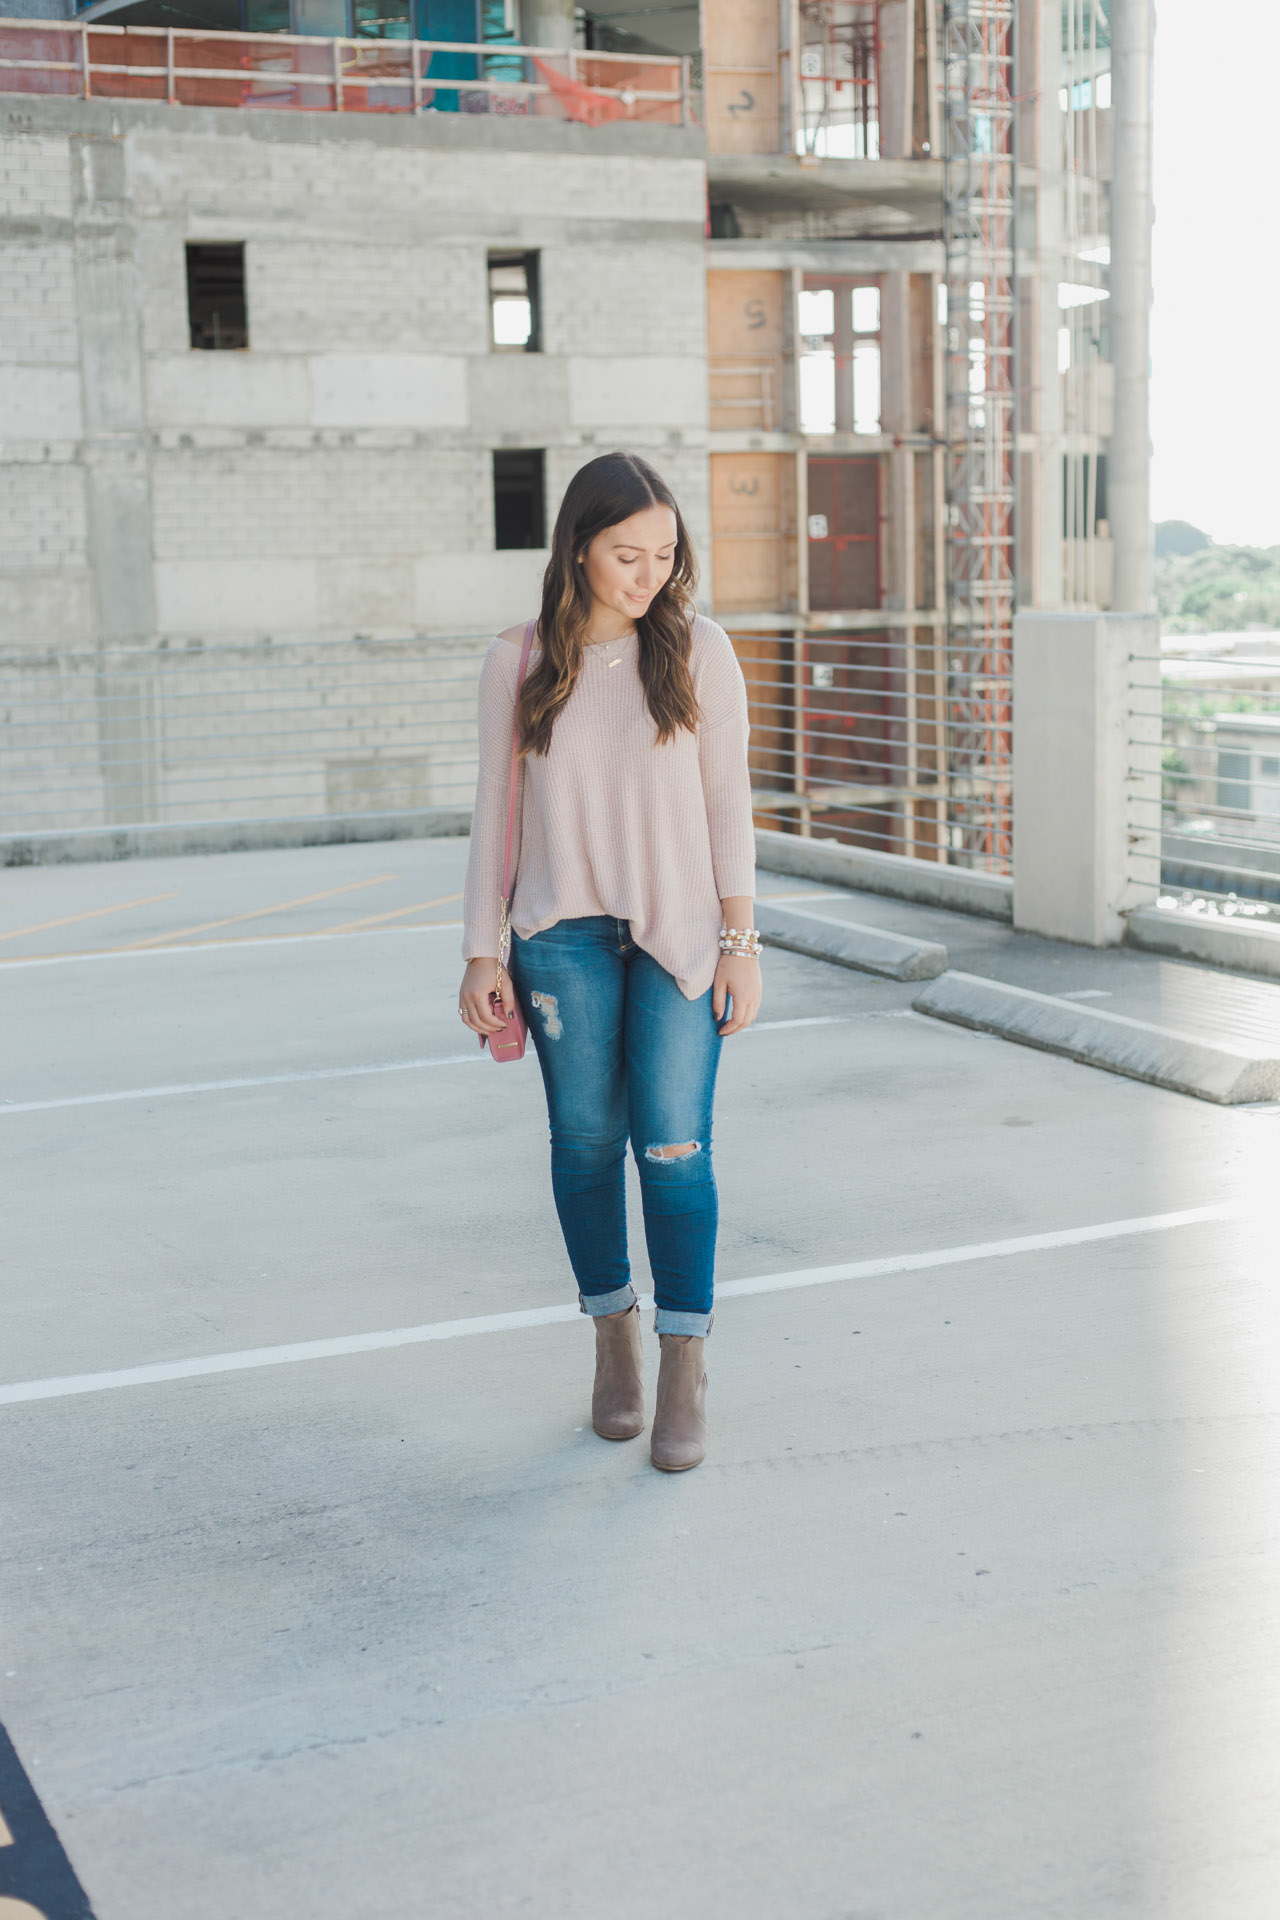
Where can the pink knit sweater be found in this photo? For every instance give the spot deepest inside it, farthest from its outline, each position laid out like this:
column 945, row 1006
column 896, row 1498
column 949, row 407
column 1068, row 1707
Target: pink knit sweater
column 607, row 822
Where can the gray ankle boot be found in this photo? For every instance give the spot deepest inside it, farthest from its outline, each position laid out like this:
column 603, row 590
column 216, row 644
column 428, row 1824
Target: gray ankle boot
column 679, row 1438
column 617, row 1402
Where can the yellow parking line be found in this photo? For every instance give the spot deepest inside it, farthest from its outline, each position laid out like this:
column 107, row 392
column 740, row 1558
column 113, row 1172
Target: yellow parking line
column 93, row 913
column 397, row 913
column 257, row 913
column 190, row 946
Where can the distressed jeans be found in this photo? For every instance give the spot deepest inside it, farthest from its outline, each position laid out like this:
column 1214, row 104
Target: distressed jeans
column 624, row 1055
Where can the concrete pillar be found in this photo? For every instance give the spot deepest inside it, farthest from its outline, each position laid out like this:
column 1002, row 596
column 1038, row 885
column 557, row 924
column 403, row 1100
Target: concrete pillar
column 898, row 415
column 548, row 23
column 897, row 72
column 1043, row 380
column 118, row 476
column 1129, row 488
column 1086, row 779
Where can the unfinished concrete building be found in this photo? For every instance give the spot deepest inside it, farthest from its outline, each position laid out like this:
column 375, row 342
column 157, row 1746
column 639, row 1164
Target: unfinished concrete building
column 909, row 389
column 300, row 342
column 304, row 331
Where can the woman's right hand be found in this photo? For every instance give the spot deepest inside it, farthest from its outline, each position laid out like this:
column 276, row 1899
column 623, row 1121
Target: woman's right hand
column 473, row 996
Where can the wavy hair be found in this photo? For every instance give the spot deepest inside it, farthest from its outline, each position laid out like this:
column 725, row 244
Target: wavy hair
column 607, row 490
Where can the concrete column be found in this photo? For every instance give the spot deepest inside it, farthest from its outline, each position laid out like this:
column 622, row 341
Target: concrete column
column 897, row 73
column 548, row 23
column 898, row 415
column 1129, row 490
column 1086, row 781
column 118, row 489
column 1044, row 19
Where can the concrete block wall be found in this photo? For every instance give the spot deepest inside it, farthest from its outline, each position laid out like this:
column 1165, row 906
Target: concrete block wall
column 335, row 479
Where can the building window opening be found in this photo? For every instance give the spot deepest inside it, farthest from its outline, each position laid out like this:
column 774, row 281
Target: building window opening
column 839, row 328
column 866, row 309
column 381, row 20
column 515, row 322
column 519, row 498
column 865, row 303
column 216, row 306
column 839, row 80
column 816, row 326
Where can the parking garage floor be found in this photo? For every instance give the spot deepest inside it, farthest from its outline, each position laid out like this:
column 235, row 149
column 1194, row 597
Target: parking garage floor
column 320, row 1595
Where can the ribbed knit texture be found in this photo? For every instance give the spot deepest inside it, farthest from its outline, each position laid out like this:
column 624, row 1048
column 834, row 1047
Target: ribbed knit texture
column 609, row 822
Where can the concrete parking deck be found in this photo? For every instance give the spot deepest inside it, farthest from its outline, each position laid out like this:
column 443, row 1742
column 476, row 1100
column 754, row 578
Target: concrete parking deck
column 970, row 1615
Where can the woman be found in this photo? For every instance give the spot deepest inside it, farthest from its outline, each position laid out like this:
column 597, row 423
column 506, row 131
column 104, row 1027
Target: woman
column 632, row 951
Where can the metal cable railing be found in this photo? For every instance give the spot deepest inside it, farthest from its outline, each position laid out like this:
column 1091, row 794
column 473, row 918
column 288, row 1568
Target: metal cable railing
column 877, row 740
column 1214, row 741
column 865, row 738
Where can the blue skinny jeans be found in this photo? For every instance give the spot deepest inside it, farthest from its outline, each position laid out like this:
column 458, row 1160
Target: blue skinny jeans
column 624, row 1055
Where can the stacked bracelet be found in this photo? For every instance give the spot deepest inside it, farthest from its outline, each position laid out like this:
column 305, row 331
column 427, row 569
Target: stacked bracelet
column 742, row 942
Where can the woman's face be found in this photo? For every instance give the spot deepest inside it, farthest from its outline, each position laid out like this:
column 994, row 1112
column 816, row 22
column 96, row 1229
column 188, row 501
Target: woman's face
column 626, row 565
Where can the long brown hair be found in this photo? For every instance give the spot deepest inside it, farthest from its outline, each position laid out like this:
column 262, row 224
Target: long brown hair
column 607, row 490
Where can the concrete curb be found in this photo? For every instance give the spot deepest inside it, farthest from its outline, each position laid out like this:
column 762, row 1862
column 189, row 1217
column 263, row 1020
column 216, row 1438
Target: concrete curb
column 228, row 836
column 1211, row 1070
column 1195, row 936
column 924, row 881
column 896, row 956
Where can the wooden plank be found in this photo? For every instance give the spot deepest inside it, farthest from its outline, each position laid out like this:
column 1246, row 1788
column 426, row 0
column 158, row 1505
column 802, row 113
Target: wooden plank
column 753, row 530
column 740, row 43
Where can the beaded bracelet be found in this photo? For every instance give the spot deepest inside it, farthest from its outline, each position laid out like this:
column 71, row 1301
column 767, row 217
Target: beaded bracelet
column 741, row 942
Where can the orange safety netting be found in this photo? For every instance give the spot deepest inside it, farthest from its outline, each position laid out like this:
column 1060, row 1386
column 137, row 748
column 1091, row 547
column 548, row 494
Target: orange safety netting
column 579, row 102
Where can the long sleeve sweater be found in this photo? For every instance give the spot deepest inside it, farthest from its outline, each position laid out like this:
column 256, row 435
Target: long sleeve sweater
column 609, row 822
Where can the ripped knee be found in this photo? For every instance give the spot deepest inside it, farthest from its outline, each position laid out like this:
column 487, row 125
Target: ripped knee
column 673, row 1153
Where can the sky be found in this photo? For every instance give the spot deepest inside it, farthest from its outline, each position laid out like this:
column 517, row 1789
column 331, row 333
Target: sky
column 1215, row 323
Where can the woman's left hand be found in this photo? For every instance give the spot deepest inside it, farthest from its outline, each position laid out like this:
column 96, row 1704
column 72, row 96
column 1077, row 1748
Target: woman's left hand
column 737, row 978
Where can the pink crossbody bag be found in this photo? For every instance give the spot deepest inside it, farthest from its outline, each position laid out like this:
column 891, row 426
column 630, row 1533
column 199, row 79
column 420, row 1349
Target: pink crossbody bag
column 510, row 1043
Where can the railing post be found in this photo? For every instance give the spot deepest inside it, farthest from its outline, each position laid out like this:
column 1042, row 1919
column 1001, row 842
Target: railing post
column 415, row 55
column 337, row 76
column 84, row 61
column 172, row 76
column 686, row 71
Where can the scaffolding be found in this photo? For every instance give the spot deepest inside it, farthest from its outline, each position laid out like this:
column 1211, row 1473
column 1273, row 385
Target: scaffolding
column 978, row 234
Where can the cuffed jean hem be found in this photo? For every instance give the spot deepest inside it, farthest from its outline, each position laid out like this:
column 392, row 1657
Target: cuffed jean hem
column 618, row 1301
column 665, row 1320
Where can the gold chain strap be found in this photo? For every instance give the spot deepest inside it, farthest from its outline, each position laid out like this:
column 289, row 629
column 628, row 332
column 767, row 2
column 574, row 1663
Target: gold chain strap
column 504, row 939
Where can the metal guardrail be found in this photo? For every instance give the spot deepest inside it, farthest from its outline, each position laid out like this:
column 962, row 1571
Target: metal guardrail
column 310, row 73
column 866, row 738
column 873, row 739
column 887, row 739
column 1219, row 766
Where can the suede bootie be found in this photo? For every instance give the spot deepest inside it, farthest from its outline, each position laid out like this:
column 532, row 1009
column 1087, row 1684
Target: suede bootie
column 679, row 1438
column 617, row 1401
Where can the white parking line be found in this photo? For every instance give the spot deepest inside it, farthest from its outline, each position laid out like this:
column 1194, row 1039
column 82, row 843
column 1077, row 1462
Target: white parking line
column 74, row 1384
column 326, row 1073
column 226, row 1086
